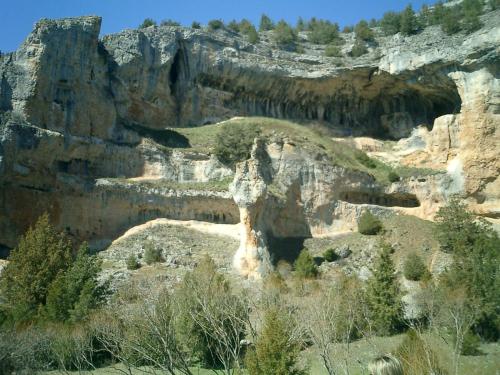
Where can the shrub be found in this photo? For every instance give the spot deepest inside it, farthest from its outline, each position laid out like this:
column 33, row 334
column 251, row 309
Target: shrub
column 417, row 357
column 195, row 25
column 409, row 22
column 132, row 262
column 211, row 318
column 369, row 224
column 414, row 268
column 147, row 23
column 324, row 32
column 305, row 266
column 215, row 25
column 248, row 29
column 363, row 31
column 393, row 176
column 494, row 4
column 359, row 49
column 276, row 349
column 470, row 345
column 332, row 50
column 283, row 34
column 266, row 23
column 384, row 297
column 234, row 143
column 330, row 255
column 152, row 254
column 169, row 22
column 40, row 257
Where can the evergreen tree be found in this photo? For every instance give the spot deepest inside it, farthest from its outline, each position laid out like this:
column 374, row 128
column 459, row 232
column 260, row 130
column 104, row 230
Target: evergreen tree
column 266, row 23
column 75, row 292
column 324, row 32
column 40, row 257
column 384, row 298
column 305, row 266
column 147, row 23
column 409, row 22
column 276, row 350
column 476, row 264
column 301, row 25
column 390, row 23
column 450, row 22
column 472, row 9
column 234, row 26
column 363, row 31
column 283, row 34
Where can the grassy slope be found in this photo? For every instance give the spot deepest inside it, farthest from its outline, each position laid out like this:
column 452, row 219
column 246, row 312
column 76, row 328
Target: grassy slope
column 203, row 139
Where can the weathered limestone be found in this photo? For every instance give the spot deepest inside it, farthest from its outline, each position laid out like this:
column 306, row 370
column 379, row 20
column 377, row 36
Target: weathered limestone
column 73, row 111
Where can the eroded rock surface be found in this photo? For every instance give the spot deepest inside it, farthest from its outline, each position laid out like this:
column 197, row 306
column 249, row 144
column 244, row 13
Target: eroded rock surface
column 84, row 129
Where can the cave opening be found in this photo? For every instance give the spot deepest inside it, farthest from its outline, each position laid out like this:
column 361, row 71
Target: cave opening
column 380, row 199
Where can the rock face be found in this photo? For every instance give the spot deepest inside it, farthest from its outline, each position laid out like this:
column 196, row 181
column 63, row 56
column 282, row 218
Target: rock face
column 78, row 113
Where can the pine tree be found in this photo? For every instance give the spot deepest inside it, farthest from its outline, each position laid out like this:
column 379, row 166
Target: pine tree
column 40, row 257
column 266, row 23
column 276, row 351
column 283, row 34
column 409, row 22
column 390, row 23
column 384, row 296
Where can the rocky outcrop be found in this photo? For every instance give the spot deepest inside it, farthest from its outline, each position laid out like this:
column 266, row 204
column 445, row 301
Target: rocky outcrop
column 76, row 110
column 285, row 192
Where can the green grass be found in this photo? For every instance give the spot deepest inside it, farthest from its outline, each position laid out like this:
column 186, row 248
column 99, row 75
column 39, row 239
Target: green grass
column 361, row 352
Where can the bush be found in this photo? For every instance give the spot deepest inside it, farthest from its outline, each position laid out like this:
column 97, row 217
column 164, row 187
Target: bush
column 169, row 22
column 470, row 345
column 330, row 255
column 195, row 25
column 472, row 9
column 332, row 50
column 305, row 266
column 152, row 254
column 215, row 25
column 390, row 23
column 276, row 350
column 494, row 4
column 266, row 23
column 417, row 357
column 324, row 32
column 369, row 224
column 248, row 29
column 363, row 31
column 393, row 176
column 234, row 143
column 414, row 268
column 359, row 49
column 283, row 34
column 132, row 262
column 147, row 23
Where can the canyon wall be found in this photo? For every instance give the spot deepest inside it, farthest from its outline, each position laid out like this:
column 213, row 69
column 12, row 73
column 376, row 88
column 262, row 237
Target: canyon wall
column 77, row 113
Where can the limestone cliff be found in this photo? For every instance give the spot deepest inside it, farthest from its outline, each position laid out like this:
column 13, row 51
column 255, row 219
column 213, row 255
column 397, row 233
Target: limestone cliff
column 86, row 128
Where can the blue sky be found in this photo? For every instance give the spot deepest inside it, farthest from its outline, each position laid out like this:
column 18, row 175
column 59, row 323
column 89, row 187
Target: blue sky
column 17, row 17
